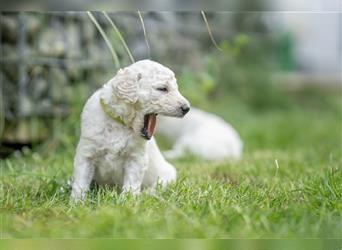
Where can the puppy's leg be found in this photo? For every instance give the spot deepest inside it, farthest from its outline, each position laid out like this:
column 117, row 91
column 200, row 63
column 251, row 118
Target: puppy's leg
column 134, row 171
column 167, row 174
column 159, row 171
column 82, row 177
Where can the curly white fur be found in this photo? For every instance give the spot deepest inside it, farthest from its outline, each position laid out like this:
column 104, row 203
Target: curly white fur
column 202, row 134
column 111, row 153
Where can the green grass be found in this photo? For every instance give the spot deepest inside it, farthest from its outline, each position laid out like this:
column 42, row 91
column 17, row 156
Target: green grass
column 249, row 198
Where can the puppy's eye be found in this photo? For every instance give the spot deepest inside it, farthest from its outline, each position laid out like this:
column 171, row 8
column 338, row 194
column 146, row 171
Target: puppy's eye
column 162, row 89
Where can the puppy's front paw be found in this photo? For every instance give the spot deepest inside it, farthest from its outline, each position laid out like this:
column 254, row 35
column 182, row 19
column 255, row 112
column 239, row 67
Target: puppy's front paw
column 130, row 190
column 150, row 191
column 77, row 196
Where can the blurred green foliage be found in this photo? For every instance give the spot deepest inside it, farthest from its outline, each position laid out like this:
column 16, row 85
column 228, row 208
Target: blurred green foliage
column 241, row 70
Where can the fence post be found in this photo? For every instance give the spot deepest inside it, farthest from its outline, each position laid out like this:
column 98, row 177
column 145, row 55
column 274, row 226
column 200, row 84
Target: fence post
column 21, row 61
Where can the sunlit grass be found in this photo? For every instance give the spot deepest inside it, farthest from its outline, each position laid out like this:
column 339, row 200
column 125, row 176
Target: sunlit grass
column 255, row 197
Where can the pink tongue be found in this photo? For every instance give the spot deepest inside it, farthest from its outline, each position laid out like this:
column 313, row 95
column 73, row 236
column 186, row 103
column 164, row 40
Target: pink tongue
column 151, row 124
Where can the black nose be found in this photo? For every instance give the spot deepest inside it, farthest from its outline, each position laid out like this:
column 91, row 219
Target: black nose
column 185, row 109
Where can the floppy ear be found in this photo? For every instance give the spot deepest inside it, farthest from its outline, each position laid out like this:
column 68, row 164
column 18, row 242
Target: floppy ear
column 125, row 85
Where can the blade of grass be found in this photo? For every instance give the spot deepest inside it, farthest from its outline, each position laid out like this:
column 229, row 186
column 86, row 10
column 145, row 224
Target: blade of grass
column 144, row 30
column 119, row 35
column 209, row 31
column 2, row 109
column 110, row 47
column 2, row 104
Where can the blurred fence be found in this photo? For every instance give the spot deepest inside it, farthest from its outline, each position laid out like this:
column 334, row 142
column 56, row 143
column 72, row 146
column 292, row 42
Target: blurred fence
column 43, row 51
column 42, row 56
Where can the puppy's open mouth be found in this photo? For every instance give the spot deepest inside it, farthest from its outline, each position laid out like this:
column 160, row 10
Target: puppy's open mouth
column 150, row 122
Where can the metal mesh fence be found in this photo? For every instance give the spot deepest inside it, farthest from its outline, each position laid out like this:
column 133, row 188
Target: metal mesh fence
column 43, row 55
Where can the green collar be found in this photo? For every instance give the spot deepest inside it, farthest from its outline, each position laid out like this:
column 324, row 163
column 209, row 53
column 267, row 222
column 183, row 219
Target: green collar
column 105, row 109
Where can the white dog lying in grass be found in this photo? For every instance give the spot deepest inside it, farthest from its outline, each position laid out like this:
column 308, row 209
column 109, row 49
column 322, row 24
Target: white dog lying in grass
column 116, row 145
column 202, row 134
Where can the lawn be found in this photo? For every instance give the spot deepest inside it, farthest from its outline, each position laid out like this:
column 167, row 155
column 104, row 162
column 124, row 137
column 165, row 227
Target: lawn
column 287, row 185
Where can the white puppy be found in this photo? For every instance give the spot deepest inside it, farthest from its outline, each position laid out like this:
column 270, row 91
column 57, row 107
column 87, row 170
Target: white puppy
column 202, row 134
column 116, row 145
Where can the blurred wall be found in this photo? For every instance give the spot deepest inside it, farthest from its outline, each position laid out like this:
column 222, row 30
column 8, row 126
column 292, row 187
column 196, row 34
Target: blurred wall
column 316, row 34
